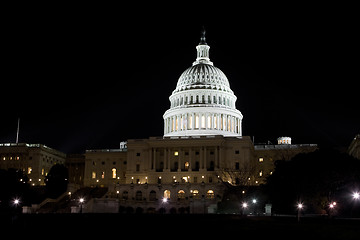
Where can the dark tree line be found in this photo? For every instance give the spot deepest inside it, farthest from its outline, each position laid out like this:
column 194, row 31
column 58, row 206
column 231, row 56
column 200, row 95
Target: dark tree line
column 14, row 184
column 315, row 178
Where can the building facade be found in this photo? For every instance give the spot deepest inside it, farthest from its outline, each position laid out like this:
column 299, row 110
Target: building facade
column 201, row 149
column 35, row 160
column 186, row 170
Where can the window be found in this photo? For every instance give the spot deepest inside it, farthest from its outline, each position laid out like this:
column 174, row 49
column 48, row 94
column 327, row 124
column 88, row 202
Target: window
column 261, row 159
column 260, row 173
column 186, row 165
column 102, row 175
column 203, row 121
column 138, row 196
column 181, row 194
column 93, row 174
column 167, row 194
column 210, row 194
column 29, row 170
column 113, row 172
column 176, row 153
column 195, row 194
column 237, row 166
column 137, row 167
column 152, row 196
column 197, row 166
column 125, row 195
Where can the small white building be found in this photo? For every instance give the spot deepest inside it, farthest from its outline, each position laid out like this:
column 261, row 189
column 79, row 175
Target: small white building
column 284, row 140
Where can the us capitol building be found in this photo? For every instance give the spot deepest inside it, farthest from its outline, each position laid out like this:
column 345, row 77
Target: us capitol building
column 187, row 170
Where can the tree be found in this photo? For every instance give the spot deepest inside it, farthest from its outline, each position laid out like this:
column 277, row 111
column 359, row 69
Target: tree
column 13, row 185
column 56, row 181
column 315, row 178
column 237, row 183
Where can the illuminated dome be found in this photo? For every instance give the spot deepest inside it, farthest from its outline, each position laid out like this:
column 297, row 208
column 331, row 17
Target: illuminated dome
column 203, row 76
column 202, row 102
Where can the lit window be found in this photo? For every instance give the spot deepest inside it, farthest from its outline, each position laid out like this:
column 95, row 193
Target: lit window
column 176, row 153
column 181, row 194
column 167, row 194
column 186, row 165
column 260, row 174
column 203, row 121
column 29, row 170
column 113, row 172
column 195, row 194
column 93, row 175
column 210, row 194
column 42, row 171
column 102, row 175
column 261, row 159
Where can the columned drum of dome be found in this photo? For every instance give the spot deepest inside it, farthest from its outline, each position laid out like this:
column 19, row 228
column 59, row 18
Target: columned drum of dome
column 202, row 102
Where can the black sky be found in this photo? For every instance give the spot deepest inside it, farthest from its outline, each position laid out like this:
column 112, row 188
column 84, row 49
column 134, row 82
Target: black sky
column 81, row 80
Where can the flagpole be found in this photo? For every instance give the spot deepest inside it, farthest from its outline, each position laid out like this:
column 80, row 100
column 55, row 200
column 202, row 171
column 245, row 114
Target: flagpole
column 17, row 132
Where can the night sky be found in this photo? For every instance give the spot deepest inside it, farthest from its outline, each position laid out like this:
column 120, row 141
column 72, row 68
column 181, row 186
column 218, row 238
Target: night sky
column 81, row 80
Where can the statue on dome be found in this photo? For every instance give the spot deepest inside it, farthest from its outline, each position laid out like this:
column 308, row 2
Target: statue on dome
column 202, row 38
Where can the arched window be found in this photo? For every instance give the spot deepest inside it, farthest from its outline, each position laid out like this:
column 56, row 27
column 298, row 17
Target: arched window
column 167, row 194
column 125, row 195
column 210, row 194
column 152, row 196
column 138, row 196
column 195, row 194
column 196, row 121
column 203, row 121
column 181, row 194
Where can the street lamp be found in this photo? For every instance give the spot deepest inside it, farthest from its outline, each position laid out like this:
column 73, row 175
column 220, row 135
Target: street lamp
column 356, row 195
column 16, row 202
column 300, row 206
column 81, row 200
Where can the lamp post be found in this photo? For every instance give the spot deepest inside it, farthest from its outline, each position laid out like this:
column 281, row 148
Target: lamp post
column 244, row 205
column 254, row 201
column 81, row 200
column 332, row 206
column 300, row 206
column 356, row 195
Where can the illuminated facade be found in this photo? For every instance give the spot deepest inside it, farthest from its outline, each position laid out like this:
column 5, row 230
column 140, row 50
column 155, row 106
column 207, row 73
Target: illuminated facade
column 186, row 170
column 35, row 160
column 202, row 148
column 202, row 102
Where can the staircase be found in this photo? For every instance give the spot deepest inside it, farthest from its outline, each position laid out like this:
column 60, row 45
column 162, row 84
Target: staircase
column 64, row 203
